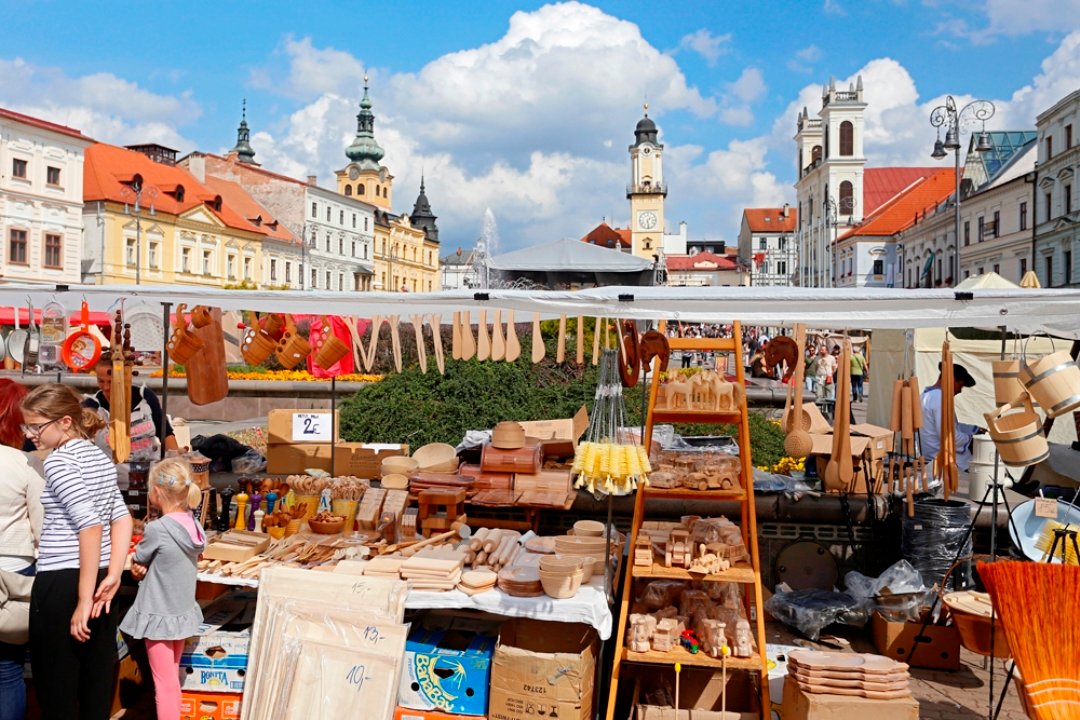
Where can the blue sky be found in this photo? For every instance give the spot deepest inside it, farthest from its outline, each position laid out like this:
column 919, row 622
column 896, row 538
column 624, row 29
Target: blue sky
column 526, row 107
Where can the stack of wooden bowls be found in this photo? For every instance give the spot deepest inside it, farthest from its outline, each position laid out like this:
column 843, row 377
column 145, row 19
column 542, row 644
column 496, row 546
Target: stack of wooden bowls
column 581, row 546
column 436, row 458
column 398, row 465
column 589, row 528
column 521, row 581
column 561, row 576
column 508, row 436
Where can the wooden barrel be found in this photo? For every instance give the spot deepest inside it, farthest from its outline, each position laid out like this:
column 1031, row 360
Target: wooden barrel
column 292, row 349
column 200, row 316
column 331, row 349
column 1007, row 385
column 1018, row 435
column 183, row 345
column 256, row 347
column 1054, row 382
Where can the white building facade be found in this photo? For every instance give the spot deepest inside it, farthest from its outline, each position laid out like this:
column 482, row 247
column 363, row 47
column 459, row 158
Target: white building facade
column 767, row 245
column 41, row 200
column 1057, row 214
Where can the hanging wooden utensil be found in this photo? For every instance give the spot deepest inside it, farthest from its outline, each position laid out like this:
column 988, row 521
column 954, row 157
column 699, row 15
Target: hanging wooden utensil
column 395, row 340
column 208, row 365
column 359, row 356
column 630, row 361
column 896, row 416
column 498, row 340
column 907, row 437
column 579, row 356
column 468, row 342
column 421, row 352
column 329, row 348
column 120, row 417
column 560, row 347
column 436, row 336
column 845, row 470
column 798, row 442
column 538, row 348
column 483, row 340
column 373, row 342
column 596, row 342
column 513, row 344
column 455, row 337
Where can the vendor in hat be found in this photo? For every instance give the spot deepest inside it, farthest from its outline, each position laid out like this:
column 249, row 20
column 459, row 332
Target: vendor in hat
column 930, row 437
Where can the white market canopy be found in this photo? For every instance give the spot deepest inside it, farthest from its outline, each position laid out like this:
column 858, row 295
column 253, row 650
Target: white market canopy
column 1055, row 312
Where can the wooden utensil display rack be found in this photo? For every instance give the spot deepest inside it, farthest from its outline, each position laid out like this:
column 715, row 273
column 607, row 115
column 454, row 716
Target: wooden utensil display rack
column 747, row 574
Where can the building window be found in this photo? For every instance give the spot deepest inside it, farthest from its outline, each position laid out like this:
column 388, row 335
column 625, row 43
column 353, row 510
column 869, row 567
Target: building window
column 341, row 281
column 847, row 198
column 1068, row 136
column 354, row 248
column 781, row 267
column 152, row 255
column 847, row 139
column 365, row 224
column 230, row 266
column 314, row 210
column 185, row 260
column 247, row 268
column 17, row 247
column 314, row 278
column 996, row 230
column 1048, row 266
column 54, row 251
column 341, row 246
column 348, row 191
column 341, row 217
column 815, row 154
column 52, row 176
column 360, row 189
column 329, row 282
column 782, row 244
column 273, row 270
column 1048, row 201
column 967, row 232
column 354, row 221
column 328, row 210
column 982, row 228
column 1023, row 216
column 997, row 269
column 288, row 272
column 207, row 261
column 879, row 267
column 365, row 251
column 1023, row 268
column 1068, row 267
column 1067, row 189
column 130, row 251
column 763, row 244
column 1049, row 148
column 18, row 169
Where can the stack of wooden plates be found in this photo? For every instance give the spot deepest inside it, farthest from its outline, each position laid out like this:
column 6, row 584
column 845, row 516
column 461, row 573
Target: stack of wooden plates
column 520, row 581
column 864, row 675
column 474, row 582
column 540, row 545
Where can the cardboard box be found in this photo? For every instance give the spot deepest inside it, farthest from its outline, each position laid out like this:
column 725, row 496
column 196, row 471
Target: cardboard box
column 364, row 460
column 289, row 427
column 408, row 714
column 818, row 424
column 799, row 705
column 559, row 437
column 939, row 646
column 209, row 706
column 215, row 660
column 294, row 459
column 448, row 665
column 701, row 696
column 543, row 669
column 881, row 439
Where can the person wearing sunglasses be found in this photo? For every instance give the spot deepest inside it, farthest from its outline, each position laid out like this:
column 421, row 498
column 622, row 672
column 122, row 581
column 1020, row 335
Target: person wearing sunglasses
column 85, row 540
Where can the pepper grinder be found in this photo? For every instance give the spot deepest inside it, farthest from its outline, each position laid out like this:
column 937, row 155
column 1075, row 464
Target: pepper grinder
column 256, row 504
column 222, row 523
column 241, row 511
column 258, row 516
column 271, row 499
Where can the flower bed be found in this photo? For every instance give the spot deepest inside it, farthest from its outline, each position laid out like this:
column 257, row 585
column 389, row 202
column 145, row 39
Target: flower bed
column 277, row 375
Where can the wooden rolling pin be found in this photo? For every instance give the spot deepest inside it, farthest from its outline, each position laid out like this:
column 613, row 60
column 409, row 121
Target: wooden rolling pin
column 457, row 529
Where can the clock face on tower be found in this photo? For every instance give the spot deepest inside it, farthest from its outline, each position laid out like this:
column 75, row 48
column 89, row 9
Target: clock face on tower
column 354, row 172
column 647, row 220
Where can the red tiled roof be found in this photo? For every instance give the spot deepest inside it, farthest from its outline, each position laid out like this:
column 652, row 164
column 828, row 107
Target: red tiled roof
column 701, row 262
column 883, row 184
column 770, row 219
column 107, row 168
column 235, row 197
column 44, row 124
column 899, row 212
column 603, row 235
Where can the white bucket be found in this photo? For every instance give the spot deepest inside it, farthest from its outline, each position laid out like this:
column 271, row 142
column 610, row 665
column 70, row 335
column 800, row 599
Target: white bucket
column 983, row 449
column 981, row 475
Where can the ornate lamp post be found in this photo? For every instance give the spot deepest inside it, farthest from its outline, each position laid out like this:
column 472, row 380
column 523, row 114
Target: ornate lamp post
column 136, row 192
column 828, row 254
column 955, row 121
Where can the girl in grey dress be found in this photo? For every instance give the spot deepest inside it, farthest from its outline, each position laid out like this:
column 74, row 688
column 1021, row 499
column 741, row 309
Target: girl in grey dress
column 165, row 612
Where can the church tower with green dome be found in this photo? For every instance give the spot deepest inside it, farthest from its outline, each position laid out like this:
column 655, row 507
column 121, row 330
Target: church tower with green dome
column 365, row 178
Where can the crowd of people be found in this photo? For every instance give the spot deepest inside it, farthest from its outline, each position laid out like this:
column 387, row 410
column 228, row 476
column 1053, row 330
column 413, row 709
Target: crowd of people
column 65, row 539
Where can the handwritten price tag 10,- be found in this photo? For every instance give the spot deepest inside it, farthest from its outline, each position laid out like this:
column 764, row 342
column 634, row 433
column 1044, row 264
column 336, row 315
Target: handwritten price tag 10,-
column 312, row 427
column 1046, row 507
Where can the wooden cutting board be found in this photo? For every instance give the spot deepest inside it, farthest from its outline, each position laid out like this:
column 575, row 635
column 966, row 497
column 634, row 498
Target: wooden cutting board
column 208, row 379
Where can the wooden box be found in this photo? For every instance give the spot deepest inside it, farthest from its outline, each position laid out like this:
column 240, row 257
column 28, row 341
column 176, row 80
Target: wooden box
column 800, row 705
column 236, row 546
column 287, row 427
column 364, row 460
column 295, row 459
column 939, row 645
column 525, row 459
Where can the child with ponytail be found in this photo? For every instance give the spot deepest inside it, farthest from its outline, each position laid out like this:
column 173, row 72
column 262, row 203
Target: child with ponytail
column 165, row 612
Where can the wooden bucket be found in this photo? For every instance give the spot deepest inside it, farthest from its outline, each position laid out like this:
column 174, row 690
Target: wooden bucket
column 200, row 316
column 1018, row 435
column 183, row 345
column 331, row 347
column 256, row 347
column 1054, row 382
column 1007, row 385
column 292, row 349
column 273, row 325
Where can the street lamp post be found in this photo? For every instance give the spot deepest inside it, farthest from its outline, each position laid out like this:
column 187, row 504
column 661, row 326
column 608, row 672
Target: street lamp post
column 135, row 191
column 828, row 220
column 954, row 121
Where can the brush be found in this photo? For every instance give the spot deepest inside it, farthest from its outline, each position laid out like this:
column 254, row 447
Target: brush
column 1046, row 538
column 1033, row 601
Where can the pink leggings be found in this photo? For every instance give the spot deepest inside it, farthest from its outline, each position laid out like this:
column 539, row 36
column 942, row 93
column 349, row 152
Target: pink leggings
column 164, row 658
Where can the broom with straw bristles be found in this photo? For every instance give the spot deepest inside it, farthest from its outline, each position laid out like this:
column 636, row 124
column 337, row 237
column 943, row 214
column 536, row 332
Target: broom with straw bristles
column 1034, row 602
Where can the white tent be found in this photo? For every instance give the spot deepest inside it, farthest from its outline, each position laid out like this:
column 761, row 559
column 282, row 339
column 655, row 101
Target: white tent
column 987, row 281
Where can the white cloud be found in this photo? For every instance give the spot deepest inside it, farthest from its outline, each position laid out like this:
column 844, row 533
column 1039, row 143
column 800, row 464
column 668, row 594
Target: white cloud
column 1013, row 17
column 705, row 44
column 804, row 59
column 750, row 87
column 833, row 7
column 101, row 105
column 312, row 71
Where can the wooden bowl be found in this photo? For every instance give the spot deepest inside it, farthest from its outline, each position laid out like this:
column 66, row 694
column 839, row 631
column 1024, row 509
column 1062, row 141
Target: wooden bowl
column 398, row 465
column 330, row 527
column 560, row 563
column 589, row 528
column 436, row 457
column 276, row 532
column 395, row 481
column 560, row 587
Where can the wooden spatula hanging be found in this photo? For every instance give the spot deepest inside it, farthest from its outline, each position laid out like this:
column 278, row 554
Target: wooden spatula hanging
column 498, row 341
column 373, row 342
column 395, row 340
column 421, row 352
column 538, row 349
column 436, row 336
column 513, row 344
column 845, row 470
column 468, row 343
column 560, row 347
column 483, row 340
column 455, row 337
column 596, row 342
column 579, row 355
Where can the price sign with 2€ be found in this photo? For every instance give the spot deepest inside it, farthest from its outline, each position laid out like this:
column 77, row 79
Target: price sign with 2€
column 312, row 427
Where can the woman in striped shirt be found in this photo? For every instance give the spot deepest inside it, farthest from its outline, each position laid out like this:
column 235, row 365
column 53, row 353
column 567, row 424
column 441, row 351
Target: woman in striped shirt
column 84, row 542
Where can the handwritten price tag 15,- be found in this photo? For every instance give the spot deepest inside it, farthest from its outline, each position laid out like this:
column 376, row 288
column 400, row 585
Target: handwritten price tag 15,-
column 312, row 427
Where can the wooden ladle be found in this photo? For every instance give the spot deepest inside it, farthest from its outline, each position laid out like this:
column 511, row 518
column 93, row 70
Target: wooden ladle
column 538, row 349
column 798, row 442
column 513, row 344
column 498, row 340
column 483, row 340
column 468, row 343
column 560, row 347
column 436, row 336
column 455, row 337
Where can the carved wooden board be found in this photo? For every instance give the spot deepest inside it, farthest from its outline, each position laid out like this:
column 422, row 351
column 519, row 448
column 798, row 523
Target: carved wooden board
column 207, row 378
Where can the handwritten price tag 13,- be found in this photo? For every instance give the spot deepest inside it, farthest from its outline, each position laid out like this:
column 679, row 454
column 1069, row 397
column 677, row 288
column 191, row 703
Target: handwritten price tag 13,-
column 312, row 427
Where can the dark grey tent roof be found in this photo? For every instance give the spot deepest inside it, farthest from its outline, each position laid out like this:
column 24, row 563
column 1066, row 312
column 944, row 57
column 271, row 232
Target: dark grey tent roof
column 570, row 261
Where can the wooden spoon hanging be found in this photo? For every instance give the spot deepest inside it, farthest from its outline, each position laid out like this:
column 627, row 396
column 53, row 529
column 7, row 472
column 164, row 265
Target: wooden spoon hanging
column 538, row 349
column 798, row 442
column 560, row 347
column 579, row 356
column 395, row 340
column 513, row 344
column 421, row 352
column 498, row 340
column 373, row 343
column 483, row 340
column 436, row 336
column 596, row 342
column 455, row 337
column 468, row 343
column 845, row 470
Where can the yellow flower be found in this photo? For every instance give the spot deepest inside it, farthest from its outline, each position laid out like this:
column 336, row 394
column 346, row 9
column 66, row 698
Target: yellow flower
column 282, row 376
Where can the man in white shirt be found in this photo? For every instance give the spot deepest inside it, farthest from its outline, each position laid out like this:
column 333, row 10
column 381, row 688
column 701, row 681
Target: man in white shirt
column 824, row 369
column 930, row 435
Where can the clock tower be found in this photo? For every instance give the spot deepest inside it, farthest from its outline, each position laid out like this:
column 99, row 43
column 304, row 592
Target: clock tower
column 365, row 177
column 646, row 190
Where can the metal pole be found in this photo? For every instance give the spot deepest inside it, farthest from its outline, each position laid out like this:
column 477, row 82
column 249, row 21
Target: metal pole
column 333, row 422
column 166, row 310
column 956, row 253
column 138, row 240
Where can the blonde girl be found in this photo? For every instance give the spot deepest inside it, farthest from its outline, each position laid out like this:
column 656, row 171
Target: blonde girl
column 85, row 538
column 165, row 612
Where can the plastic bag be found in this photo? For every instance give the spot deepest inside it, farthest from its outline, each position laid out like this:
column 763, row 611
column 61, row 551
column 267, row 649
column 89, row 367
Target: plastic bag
column 897, row 593
column 249, row 463
column 809, row 611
